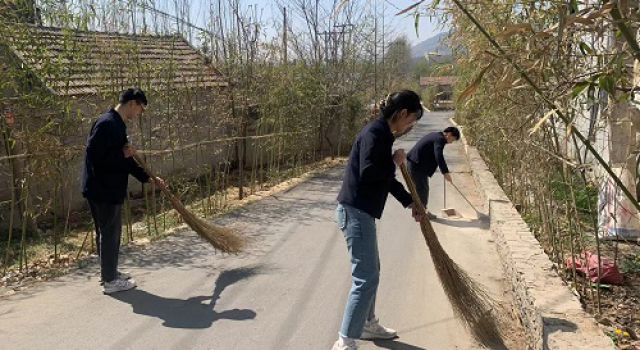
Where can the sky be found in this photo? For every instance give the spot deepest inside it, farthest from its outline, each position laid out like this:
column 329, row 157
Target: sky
column 405, row 24
column 399, row 25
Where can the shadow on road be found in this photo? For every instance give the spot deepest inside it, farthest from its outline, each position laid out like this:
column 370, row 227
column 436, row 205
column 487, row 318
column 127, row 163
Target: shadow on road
column 191, row 312
column 553, row 324
column 396, row 345
column 463, row 223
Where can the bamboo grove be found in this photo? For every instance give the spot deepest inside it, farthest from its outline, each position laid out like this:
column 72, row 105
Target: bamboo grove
column 289, row 100
column 540, row 83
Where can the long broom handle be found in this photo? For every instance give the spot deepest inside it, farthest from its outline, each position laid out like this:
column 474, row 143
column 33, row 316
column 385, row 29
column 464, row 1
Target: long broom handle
column 444, row 191
column 465, row 198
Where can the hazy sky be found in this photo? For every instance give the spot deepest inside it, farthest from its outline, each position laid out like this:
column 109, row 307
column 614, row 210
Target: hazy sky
column 405, row 25
column 400, row 25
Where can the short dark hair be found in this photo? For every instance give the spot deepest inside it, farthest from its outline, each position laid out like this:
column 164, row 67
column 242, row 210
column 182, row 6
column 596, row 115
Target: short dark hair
column 453, row 131
column 133, row 94
column 397, row 101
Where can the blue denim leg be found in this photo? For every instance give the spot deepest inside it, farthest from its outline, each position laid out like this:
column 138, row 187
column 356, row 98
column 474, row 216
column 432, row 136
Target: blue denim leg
column 359, row 230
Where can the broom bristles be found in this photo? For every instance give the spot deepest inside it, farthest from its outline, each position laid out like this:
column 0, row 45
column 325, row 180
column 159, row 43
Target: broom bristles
column 221, row 238
column 468, row 299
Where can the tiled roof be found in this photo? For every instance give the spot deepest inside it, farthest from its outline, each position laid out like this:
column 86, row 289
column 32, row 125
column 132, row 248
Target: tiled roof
column 429, row 81
column 82, row 62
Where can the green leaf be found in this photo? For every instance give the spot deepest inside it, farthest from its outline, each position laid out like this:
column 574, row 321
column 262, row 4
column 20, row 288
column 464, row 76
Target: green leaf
column 624, row 97
column 416, row 23
column 579, row 88
column 586, row 49
column 574, row 6
column 607, row 83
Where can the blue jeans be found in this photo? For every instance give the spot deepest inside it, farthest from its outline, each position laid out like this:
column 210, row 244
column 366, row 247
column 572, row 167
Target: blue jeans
column 359, row 229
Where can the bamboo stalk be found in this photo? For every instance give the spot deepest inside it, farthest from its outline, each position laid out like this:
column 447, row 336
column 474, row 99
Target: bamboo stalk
column 25, row 215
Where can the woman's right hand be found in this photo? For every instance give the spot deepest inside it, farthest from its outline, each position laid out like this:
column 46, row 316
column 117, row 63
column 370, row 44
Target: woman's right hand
column 399, row 157
column 417, row 213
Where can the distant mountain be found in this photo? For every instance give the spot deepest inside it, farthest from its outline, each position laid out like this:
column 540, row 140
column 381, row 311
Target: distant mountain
column 435, row 44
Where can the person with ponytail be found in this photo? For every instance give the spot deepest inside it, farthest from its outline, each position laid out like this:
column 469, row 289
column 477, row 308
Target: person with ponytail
column 368, row 179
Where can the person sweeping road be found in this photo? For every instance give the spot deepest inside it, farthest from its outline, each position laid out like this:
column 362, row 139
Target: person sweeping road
column 368, row 179
column 107, row 165
column 427, row 155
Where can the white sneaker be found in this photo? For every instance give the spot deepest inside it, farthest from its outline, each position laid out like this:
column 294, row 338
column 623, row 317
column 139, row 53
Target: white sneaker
column 118, row 285
column 345, row 344
column 374, row 330
column 119, row 276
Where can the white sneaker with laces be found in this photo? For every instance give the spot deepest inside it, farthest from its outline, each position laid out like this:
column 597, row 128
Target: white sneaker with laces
column 120, row 276
column 374, row 330
column 118, row 285
column 345, row 344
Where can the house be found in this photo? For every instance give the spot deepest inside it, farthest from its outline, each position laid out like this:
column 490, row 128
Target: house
column 442, row 88
column 56, row 81
column 612, row 127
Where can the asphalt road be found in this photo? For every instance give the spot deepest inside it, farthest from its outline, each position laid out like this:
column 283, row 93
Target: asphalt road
column 286, row 292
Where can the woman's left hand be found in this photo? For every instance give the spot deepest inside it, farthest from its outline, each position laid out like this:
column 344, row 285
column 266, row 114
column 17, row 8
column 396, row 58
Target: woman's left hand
column 399, row 157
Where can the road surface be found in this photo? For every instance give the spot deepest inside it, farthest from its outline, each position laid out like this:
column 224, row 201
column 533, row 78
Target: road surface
column 286, row 292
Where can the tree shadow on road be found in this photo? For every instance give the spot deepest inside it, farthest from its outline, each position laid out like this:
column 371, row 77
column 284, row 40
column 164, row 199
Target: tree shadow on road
column 191, row 312
column 396, row 345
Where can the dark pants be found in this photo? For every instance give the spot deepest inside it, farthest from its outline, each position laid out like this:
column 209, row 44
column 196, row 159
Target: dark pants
column 421, row 180
column 108, row 222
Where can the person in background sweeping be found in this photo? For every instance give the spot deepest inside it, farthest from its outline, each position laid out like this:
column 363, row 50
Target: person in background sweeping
column 425, row 156
column 108, row 163
column 369, row 177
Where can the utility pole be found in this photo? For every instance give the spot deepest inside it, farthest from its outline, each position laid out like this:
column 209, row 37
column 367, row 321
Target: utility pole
column 284, row 36
column 384, row 74
column 375, row 48
column 332, row 40
column 341, row 42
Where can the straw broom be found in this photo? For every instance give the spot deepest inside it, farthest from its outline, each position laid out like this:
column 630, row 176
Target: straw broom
column 221, row 238
column 470, row 302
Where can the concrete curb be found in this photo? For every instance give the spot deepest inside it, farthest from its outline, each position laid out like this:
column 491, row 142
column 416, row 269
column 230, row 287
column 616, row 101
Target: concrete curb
column 552, row 316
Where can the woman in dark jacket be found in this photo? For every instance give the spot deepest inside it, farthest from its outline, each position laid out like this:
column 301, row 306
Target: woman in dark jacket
column 369, row 177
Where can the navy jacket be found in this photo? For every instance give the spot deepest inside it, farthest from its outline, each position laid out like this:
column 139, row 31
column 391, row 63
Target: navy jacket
column 106, row 170
column 427, row 153
column 370, row 172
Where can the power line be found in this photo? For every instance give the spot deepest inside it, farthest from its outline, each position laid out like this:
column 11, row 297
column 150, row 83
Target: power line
column 394, row 5
column 176, row 18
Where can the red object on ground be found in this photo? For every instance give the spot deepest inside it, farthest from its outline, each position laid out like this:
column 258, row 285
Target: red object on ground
column 609, row 272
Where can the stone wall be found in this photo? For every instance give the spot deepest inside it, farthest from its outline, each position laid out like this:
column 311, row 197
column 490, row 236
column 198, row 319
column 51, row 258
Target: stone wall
column 551, row 314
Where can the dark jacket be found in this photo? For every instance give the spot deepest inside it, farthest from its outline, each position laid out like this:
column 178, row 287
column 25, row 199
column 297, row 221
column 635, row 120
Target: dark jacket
column 426, row 155
column 106, row 170
column 370, row 172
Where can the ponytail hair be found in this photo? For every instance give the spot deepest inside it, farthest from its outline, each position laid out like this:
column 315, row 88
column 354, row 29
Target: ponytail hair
column 397, row 101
